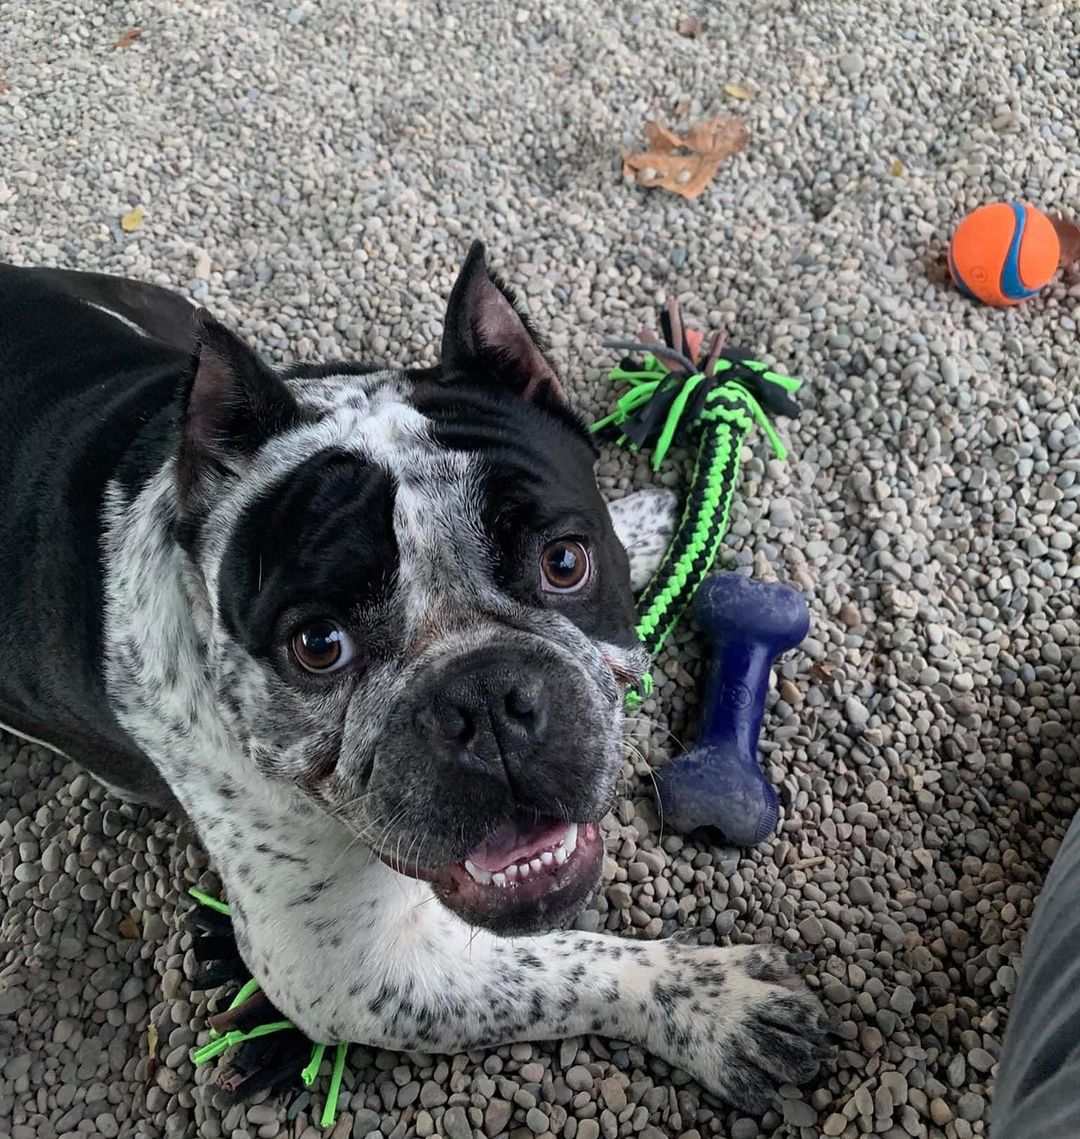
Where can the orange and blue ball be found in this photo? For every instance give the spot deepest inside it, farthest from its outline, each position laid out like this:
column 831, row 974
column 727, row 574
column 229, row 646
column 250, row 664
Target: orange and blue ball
column 1003, row 253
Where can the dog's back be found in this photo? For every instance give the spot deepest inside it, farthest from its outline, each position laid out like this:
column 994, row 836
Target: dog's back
column 86, row 394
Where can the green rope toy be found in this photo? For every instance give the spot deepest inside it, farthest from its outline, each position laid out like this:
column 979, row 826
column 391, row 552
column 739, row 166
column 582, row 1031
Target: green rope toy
column 671, row 401
column 676, row 399
column 271, row 1047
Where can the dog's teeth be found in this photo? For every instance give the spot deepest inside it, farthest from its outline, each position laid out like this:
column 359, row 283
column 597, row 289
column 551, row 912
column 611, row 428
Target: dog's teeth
column 499, row 879
column 523, row 869
column 570, row 842
column 476, row 874
column 511, row 872
column 536, row 864
column 560, row 855
column 547, row 858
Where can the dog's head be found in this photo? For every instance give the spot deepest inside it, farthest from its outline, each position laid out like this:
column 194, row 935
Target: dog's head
column 418, row 610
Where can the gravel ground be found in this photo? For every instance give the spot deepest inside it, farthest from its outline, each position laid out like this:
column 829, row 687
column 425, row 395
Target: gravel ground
column 313, row 172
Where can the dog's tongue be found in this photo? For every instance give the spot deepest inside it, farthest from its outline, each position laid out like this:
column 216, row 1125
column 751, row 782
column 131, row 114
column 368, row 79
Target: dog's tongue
column 515, row 843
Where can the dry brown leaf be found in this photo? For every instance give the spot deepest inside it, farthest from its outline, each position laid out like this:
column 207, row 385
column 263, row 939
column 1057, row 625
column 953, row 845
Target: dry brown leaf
column 690, row 26
column 1069, row 238
column 897, row 168
column 737, row 91
column 128, row 38
column 4, row 84
column 131, row 221
column 703, row 147
column 129, row 927
column 151, row 1040
column 822, row 671
column 681, row 108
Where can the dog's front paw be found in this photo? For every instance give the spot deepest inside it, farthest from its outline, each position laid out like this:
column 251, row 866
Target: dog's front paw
column 742, row 1022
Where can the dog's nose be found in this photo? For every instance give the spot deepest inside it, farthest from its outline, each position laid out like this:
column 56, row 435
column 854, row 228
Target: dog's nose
column 493, row 709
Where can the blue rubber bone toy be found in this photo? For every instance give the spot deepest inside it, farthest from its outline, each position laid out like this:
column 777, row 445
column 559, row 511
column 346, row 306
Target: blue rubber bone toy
column 719, row 783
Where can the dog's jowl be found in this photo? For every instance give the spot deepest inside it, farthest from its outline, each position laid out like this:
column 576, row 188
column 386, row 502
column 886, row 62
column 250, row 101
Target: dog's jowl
column 372, row 631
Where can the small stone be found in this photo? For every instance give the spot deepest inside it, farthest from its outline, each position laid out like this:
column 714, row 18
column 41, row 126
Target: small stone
column 856, row 712
column 17, row 1066
column 970, row 1106
column 588, row 1129
column 170, row 984
column 497, row 1116
column 860, row 891
column 579, row 1078
column 980, row 1060
column 799, row 1113
column 536, row 1121
column 432, row 1095
column 834, row 1125
column 745, row 1129
column 456, row 1124
column 978, row 841
column 940, row 1112
column 1019, row 792
column 811, row 930
column 13, row 999
column 852, row 64
column 613, row 1093
column 365, row 1121
column 902, row 1000
column 168, row 1080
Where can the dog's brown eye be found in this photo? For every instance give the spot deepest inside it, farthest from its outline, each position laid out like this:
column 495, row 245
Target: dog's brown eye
column 564, row 566
column 322, row 646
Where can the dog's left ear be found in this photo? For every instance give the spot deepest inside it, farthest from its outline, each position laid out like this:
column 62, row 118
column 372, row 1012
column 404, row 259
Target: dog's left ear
column 485, row 335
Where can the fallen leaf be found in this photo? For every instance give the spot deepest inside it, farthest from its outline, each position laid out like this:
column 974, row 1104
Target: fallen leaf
column 130, row 926
column 4, row 84
column 128, row 38
column 685, row 164
column 681, row 108
column 737, row 91
column 151, row 1040
column 822, row 670
column 690, row 26
column 131, row 221
column 1069, row 238
column 897, row 168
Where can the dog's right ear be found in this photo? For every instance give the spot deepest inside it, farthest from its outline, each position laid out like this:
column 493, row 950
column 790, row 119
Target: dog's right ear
column 233, row 405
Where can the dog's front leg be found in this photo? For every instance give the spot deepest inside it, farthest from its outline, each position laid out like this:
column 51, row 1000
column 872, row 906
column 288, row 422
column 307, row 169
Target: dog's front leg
column 738, row 1019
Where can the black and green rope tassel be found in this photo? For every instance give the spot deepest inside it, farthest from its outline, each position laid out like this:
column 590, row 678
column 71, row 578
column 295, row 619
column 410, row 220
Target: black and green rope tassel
column 271, row 1048
column 673, row 399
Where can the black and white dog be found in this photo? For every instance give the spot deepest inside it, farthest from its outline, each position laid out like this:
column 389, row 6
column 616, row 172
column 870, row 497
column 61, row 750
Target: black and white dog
column 371, row 630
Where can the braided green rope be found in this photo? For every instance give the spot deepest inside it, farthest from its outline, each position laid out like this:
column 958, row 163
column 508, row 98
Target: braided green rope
column 721, row 422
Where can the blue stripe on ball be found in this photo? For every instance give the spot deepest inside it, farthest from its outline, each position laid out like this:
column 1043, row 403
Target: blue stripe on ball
column 1011, row 285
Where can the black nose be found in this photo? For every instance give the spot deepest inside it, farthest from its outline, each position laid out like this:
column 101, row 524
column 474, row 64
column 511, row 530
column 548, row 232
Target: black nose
column 492, row 709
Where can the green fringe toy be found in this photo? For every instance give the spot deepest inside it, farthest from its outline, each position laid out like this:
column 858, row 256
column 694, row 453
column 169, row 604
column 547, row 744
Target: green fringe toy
column 675, row 397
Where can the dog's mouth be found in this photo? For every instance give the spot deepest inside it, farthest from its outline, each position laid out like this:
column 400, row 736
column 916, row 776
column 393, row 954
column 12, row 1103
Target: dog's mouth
column 526, row 877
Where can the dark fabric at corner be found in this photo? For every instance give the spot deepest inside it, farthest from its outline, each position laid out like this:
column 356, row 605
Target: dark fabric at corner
column 1037, row 1095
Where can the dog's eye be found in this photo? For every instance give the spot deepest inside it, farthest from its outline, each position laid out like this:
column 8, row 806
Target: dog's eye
column 564, row 566
column 322, row 646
